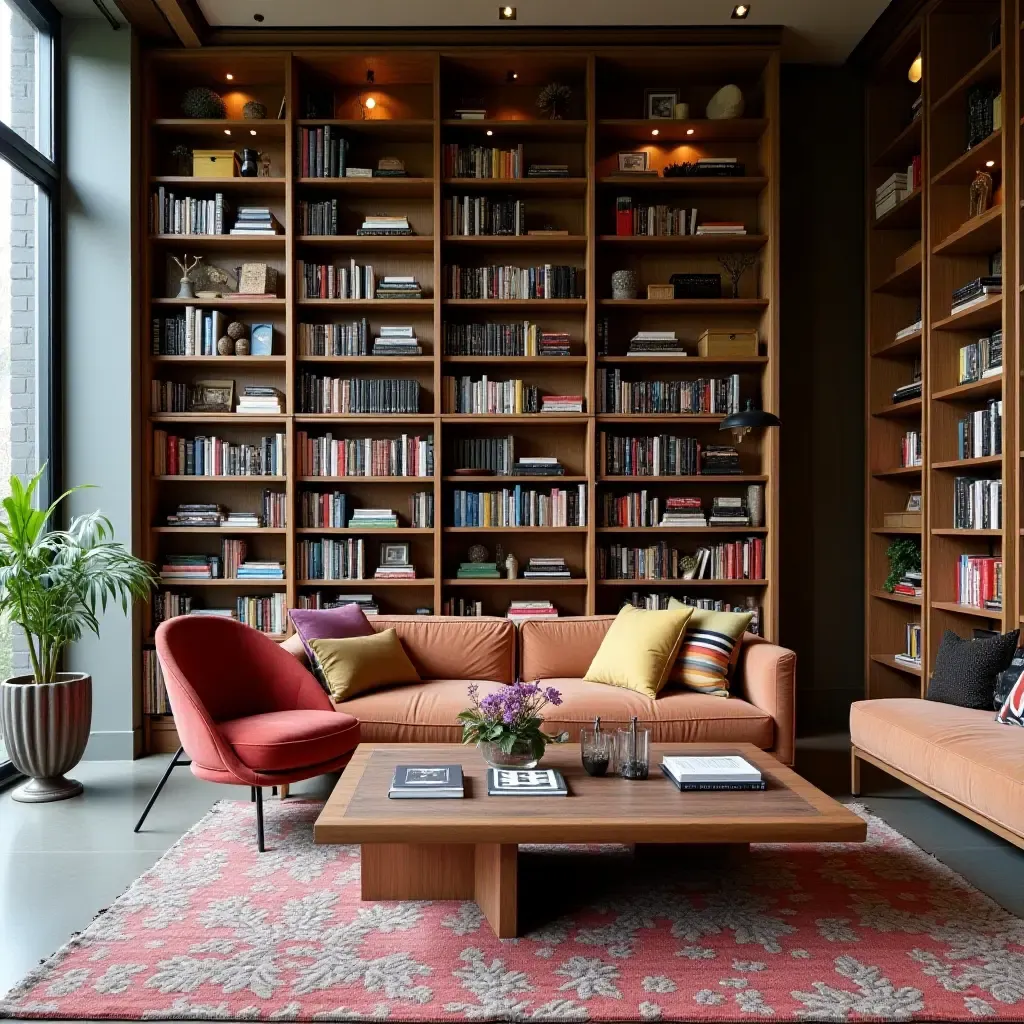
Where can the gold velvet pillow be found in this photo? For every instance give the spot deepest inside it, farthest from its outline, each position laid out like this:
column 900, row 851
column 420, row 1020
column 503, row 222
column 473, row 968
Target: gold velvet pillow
column 639, row 649
column 360, row 664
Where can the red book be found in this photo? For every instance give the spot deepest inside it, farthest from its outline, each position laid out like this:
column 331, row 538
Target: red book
column 623, row 215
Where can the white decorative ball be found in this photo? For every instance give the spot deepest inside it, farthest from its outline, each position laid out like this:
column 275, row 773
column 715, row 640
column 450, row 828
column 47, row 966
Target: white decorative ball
column 726, row 103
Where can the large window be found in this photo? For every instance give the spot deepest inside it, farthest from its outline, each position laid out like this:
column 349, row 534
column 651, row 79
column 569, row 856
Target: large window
column 28, row 194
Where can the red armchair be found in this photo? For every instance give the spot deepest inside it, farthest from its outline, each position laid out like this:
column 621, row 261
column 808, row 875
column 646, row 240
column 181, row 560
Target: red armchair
column 247, row 713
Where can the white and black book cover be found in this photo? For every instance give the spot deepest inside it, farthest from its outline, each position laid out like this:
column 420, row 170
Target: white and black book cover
column 711, row 769
column 427, row 782
column 525, row 782
column 712, row 787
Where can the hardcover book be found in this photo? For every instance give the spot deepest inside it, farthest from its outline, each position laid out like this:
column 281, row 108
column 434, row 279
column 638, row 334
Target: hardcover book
column 525, row 782
column 427, row 782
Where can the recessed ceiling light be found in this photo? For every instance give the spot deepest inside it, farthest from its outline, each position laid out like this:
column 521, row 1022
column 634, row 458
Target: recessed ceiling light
column 257, row 17
column 227, row 131
column 506, row 14
column 741, row 10
column 230, row 77
column 689, row 131
column 654, row 131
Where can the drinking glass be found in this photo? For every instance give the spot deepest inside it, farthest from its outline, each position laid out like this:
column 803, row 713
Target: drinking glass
column 632, row 753
column 596, row 750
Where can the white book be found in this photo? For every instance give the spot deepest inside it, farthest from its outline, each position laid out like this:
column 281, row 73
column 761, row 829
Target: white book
column 396, row 331
column 724, row 768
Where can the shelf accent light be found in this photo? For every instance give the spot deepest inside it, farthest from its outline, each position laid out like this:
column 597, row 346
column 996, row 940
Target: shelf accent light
column 916, row 70
column 230, row 77
column 506, row 14
column 740, row 11
column 990, row 163
column 689, row 131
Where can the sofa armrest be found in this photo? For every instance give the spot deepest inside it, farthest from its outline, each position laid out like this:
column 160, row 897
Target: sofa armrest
column 766, row 677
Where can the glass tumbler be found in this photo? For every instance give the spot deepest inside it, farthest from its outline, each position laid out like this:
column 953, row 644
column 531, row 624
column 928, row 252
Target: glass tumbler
column 596, row 750
column 632, row 753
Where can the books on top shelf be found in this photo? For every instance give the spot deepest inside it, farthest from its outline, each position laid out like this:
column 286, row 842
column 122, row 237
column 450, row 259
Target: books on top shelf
column 910, row 584
column 976, row 292
column 373, row 519
column 398, row 287
column 721, row 227
column 546, row 569
column 385, row 225
column 525, row 782
column 256, row 220
column 655, row 343
column 980, row 581
column 980, row 433
column 521, row 611
column 982, row 358
column 427, row 782
column 396, row 341
column 477, row 571
column 725, row 772
column 258, row 399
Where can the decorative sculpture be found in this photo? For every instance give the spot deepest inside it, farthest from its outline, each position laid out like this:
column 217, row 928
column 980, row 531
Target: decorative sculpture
column 735, row 265
column 186, row 268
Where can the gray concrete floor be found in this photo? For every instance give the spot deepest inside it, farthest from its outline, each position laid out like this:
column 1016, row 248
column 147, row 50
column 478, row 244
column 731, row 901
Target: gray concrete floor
column 61, row 863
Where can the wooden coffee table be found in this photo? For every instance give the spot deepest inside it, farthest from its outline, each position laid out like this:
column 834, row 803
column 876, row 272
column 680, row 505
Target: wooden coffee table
column 467, row 849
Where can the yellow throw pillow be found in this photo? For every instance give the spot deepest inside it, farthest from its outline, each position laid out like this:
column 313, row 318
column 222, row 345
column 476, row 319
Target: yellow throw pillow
column 359, row 664
column 639, row 649
column 710, row 649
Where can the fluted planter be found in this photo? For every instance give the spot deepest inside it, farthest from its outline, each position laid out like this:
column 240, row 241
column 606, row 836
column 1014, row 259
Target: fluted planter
column 45, row 728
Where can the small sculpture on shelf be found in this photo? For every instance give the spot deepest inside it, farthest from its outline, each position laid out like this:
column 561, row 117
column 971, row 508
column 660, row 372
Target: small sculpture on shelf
column 182, row 156
column 511, row 567
column 624, row 284
column 264, row 164
column 726, row 104
column 203, row 104
column 185, row 284
column 225, row 346
column 212, row 282
column 980, row 193
column 554, row 100
column 477, row 553
column 236, row 330
column 242, row 347
column 248, row 166
column 254, row 111
column 735, row 265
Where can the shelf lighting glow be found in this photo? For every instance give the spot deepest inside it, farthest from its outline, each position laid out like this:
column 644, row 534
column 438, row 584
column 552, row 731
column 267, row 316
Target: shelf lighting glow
column 915, row 70
column 990, row 163
column 654, row 131
column 489, row 132
column 227, row 131
column 230, row 77
column 689, row 131
column 370, row 103
column 741, row 10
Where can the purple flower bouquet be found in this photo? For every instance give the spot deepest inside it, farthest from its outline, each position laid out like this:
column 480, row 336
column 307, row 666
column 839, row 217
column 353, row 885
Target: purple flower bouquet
column 506, row 724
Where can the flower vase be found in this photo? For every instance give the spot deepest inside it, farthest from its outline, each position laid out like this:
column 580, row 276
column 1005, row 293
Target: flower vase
column 520, row 757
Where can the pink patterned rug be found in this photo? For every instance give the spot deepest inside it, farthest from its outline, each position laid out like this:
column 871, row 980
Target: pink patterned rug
column 216, row 931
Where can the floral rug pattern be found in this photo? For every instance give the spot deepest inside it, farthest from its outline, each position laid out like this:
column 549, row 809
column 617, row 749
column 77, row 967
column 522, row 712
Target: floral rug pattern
column 844, row 932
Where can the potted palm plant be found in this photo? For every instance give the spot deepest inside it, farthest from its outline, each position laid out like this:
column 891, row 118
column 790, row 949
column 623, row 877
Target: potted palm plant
column 54, row 584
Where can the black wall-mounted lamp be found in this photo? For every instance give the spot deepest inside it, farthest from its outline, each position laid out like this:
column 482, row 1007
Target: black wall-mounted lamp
column 742, row 423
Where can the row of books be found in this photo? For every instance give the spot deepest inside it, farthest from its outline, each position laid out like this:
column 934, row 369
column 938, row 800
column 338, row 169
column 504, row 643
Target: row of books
column 462, row 161
column 331, row 559
column 520, row 506
column 911, row 655
column 195, row 332
column 729, row 560
column 351, row 339
column 982, row 358
column 897, row 187
column 230, row 564
column 213, row 456
column 977, row 503
column 319, row 600
column 170, row 214
column 911, row 451
column 497, row 455
column 327, row 281
column 549, row 281
column 712, row 395
column 330, row 510
column 154, row 690
column 470, row 216
column 326, row 455
column 320, row 218
column 980, row 433
column 356, row 395
column 664, row 455
column 654, row 220
column 273, row 514
column 645, row 509
column 323, row 152
column 508, row 339
column 979, row 581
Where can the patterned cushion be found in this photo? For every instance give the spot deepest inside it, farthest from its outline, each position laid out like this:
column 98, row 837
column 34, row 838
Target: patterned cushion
column 709, row 646
column 965, row 670
column 1010, row 692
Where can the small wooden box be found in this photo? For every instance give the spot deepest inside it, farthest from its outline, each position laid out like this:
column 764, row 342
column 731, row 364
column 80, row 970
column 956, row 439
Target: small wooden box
column 719, row 344
column 896, row 520
column 214, row 163
column 907, row 259
column 661, row 291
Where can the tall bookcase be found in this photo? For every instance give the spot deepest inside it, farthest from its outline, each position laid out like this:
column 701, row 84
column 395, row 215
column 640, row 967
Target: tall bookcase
column 963, row 47
column 415, row 94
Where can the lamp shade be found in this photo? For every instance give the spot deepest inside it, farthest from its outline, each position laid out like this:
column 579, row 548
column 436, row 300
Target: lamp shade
column 749, row 418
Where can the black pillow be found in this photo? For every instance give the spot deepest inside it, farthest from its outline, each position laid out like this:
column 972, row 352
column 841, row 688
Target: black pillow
column 965, row 670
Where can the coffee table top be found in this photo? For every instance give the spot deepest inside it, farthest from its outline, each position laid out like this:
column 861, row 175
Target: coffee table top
column 597, row 810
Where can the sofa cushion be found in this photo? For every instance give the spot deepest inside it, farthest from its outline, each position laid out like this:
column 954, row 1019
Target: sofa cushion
column 966, row 669
column 960, row 752
column 560, row 647
column 327, row 623
column 363, row 663
column 283, row 741
column 710, row 649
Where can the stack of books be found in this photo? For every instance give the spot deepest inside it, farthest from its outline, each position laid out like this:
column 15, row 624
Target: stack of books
column 396, row 341
column 905, row 392
column 256, row 220
column 382, row 224
column 698, row 774
column 197, row 515
column 728, row 512
column 470, row 114
column 426, row 782
column 260, row 400
column 891, row 193
column 718, row 167
column 722, row 227
column 912, row 655
column 477, row 571
column 548, row 171
column 399, row 288
column 683, row 512
column 719, row 460
column 910, row 584
column 261, row 571
column 520, row 611
column 191, row 567
column 243, row 520
column 537, row 465
column 554, row 343
column 906, row 332
column 976, row 292
column 655, row 343
column 373, row 519
column 358, row 172
column 561, row 403
column 317, row 601
column 390, row 167
column 546, row 569
column 982, row 358
column 403, row 571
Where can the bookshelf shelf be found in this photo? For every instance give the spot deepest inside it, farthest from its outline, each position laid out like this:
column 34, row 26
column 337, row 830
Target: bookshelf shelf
column 896, row 531
column 265, row 186
column 528, row 242
column 236, row 418
column 910, row 409
column 375, row 188
column 381, row 305
column 905, row 216
column 553, row 361
column 553, row 305
column 967, row 610
column 531, row 418
column 903, row 147
column 230, row 531
column 183, row 478
column 269, row 243
column 968, row 464
column 902, row 282
column 897, row 471
column 961, row 171
column 688, row 305
column 514, row 529
column 366, row 584
column 341, row 361
column 681, row 361
column 577, row 582
column 752, row 530
column 647, row 417
column 352, row 480
column 972, row 392
column 748, row 129
column 519, row 128
column 369, row 243
column 348, row 531
column 404, row 129
column 986, row 68
column 686, row 243
column 275, row 128
column 975, row 237
column 908, row 345
column 227, row 302
column 988, row 313
column 900, row 666
column 240, row 361
column 518, row 479
column 534, row 186
column 896, row 598
column 952, row 532
column 233, row 583
column 751, row 185
column 365, row 419
column 740, row 478
column 681, row 583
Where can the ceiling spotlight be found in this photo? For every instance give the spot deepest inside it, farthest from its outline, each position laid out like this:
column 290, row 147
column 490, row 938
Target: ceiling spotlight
column 689, row 131
column 741, row 11
column 227, row 131
column 230, row 77
column 654, row 131
column 257, row 17
column 990, row 163
column 506, row 14
column 915, row 70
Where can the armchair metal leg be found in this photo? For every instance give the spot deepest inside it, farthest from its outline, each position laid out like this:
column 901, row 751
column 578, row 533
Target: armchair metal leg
column 175, row 763
column 259, row 818
column 252, row 794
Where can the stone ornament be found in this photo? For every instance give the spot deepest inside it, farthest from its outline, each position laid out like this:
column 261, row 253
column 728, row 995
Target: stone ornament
column 726, row 104
column 242, row 347
column 254, row 111
column 624, row 284
column 225, row 346
column 511, row 567
column 236, row 330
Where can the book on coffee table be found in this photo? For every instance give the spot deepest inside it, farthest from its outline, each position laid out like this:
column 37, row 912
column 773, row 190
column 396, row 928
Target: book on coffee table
column 525, row 782
column 702, row 774
column 427, row 782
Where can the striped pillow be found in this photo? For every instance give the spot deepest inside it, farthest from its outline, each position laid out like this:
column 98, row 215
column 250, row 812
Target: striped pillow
column 709, row 647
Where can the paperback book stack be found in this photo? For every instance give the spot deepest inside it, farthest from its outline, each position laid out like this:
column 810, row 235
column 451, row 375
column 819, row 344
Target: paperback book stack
column 721, row 228
column 728, row 512
column 718, row 167
column 395, row 571
column 538, row 465
column 197, row 515
column 912, row 655
column 477, row 571
column 982, row 358
column 244, row 520
column 317, row 600
column 700, row 774
column 976, row 292
column 520, row 611
column 655, row 343
column 980, row 582
column 546, row 569
column 561, row 403
column 258, row 400
column 980, row 433
column 977, row 503
column 261, row 571
column 385, row 225
column 720, row 460
column 906, row 392
column 552, row 343
column 911, row 453
column 399, row 287
column 396, row 341
column 891, row 193
column 683, row 512
column 256, row 220
column 548, row 171
column 265, row 612
column 191, row 567
column 910, row 584
column 373, row 519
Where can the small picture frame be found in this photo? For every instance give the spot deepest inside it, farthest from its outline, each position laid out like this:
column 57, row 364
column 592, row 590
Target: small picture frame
column 261, row 340
column 212, row 396
column 394, row 554
column 633, row 161
column 913, row 502
column 659, row 104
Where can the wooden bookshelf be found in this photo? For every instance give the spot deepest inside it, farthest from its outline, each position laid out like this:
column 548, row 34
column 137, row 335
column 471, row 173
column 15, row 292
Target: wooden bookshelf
column 960, row 52
column 416, row 92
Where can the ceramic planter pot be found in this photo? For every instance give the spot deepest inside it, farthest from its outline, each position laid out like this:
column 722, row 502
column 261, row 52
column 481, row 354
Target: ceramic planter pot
column 45, row 728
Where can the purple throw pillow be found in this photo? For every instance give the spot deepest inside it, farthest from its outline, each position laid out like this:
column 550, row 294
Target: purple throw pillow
column 328, row 624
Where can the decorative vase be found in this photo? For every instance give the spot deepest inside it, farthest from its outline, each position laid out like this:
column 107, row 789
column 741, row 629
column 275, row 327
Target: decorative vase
column 681, row 111
column 755, row 504
column 45, row 727
column 624, row 284
column 250, row 167
column 520, row 757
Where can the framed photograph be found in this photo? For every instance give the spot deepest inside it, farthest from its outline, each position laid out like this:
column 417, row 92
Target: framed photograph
column 394, row 554
column 913, row 502
column 633, row 161
column 212, row 396
column 659, row 104
column 261, row 340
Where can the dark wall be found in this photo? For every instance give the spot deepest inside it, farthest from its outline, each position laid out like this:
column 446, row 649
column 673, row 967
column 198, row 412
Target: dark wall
column 822, row 383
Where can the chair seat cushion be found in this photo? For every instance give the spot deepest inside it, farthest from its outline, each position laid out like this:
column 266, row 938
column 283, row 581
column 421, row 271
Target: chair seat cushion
column 284, row 741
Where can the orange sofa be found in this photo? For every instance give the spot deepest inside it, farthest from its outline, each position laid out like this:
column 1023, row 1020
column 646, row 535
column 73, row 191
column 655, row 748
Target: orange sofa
column 449, row 653
column 959, row 756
